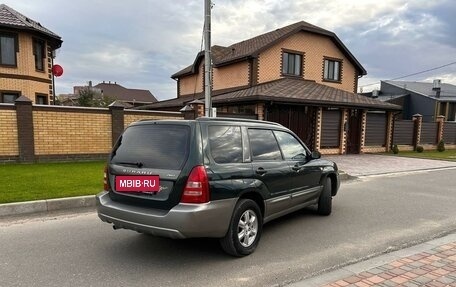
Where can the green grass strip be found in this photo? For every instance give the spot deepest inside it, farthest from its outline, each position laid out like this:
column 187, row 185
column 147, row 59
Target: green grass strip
column 25, row 182
column 430, row 154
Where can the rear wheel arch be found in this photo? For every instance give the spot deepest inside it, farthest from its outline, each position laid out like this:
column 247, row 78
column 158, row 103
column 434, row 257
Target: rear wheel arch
column 256, row 197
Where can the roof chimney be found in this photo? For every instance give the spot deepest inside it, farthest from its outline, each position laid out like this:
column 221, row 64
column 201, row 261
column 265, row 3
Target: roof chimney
column 375, row 93
column 436, row 86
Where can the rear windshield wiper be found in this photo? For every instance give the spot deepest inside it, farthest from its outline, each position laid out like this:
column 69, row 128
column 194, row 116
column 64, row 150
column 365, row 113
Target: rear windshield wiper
column 138, row 164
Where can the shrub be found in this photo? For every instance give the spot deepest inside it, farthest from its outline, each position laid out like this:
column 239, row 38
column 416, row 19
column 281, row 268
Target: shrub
column 419, row 148
column 395, row 149
column 441, row 146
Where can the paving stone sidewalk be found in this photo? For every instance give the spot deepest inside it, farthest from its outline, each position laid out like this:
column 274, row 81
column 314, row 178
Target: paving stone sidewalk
column 374, row 164
column 431, row 264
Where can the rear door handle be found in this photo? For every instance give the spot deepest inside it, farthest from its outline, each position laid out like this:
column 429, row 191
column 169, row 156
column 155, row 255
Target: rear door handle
column 261, row 171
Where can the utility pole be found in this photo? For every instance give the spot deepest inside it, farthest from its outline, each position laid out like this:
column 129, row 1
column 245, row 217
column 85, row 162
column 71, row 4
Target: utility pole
column 207, row 59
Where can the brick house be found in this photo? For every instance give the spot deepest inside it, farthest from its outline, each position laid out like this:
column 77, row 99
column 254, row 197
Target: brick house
column 301, row 76
column 114, row 92
column 26, row 49
column 430, row 100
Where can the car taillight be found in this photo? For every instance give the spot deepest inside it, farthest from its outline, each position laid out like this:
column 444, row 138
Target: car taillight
column 105, row 179
column 197, row 187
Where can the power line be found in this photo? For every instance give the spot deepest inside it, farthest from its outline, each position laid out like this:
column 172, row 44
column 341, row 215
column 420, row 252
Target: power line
column 414, row 74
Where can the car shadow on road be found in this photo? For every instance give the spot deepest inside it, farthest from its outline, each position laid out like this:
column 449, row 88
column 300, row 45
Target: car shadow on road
column 151, row 248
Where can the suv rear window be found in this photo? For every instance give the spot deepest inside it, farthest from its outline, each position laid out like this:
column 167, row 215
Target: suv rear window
column 154, row 146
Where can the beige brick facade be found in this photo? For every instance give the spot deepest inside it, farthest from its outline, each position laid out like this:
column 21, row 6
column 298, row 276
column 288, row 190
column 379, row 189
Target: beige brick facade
column 8, row 133
column 235, row 75
column 315, row 48
column 24, row 78
column 72, row 133
column 192, row 84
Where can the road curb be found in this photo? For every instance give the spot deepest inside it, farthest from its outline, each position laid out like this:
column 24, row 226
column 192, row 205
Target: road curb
column 29, row 207
column 19, row 208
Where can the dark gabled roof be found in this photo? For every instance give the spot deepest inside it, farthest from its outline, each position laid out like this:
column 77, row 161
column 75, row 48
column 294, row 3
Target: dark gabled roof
column 447, row 91
column 12, row 19
column 291, row 90
column 173, row 103
column 119, row 92
column 287, row 91
column 252, row 47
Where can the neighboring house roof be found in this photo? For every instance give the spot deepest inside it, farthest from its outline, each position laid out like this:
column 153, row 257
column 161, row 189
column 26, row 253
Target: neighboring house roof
column 447, row 91
column 254, row 46
column 13, row 19
column 288, row 90
column 119, row 92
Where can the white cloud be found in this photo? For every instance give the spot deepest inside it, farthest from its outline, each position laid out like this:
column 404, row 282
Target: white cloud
column 141, row 43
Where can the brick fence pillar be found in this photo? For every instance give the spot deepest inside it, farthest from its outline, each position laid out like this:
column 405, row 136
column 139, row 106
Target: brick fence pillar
column 418, row 122
column 362, row 140
column 389, row 131
column 260, row 111
column 343, row 132
column 441, row 123
column 318, row 122
column 198, row 108
column 25, row 136
column 117, row 110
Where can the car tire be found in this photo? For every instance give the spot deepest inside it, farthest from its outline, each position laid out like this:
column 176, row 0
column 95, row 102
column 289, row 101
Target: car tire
column 325, row 200
column 245, row 229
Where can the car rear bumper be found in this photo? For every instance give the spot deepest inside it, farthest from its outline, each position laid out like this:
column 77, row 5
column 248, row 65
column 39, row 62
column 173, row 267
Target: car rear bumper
column 182, row 221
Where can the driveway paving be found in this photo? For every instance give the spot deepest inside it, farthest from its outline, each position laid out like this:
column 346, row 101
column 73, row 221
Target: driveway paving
column 373, row 164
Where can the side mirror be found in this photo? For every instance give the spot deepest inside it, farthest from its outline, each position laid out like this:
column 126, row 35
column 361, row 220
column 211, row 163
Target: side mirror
column 315, row 155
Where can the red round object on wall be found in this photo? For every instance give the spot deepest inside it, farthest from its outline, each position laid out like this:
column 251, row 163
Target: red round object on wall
column 57, row 70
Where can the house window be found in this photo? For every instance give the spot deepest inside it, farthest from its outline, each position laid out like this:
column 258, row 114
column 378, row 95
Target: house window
column 41, row 99
column 291, row 64
column 38, row 52
column 332, row 70
column 9, row 97
column 8, row 49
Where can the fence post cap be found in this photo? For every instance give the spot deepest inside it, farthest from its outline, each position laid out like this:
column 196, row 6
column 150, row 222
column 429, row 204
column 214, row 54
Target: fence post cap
column 117, row 105
column 23, row 100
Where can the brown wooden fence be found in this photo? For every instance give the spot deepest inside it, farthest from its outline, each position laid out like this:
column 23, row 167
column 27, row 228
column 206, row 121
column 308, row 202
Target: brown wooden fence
column 429, row 133
column 403, row 133
column 449, row 132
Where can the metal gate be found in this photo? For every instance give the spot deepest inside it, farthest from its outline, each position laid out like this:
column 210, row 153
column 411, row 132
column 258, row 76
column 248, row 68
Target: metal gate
column 299, row 119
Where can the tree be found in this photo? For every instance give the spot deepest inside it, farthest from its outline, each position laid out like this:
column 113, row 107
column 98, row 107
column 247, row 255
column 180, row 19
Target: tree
column 90, row 97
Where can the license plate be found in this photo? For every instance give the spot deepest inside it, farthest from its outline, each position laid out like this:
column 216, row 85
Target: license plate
column 138, row 183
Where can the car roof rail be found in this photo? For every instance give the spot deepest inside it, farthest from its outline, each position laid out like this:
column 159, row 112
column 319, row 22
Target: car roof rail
column 238, row 120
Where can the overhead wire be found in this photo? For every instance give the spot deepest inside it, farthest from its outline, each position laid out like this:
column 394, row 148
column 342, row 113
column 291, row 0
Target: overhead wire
column 413, row 74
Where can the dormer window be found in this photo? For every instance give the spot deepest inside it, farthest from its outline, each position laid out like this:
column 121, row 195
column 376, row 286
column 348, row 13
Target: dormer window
column 291, row 64
column 332, row 70
column 8, row 49
column 38, row 52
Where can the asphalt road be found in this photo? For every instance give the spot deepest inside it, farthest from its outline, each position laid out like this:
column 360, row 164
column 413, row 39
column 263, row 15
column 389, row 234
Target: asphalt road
column 370, row 216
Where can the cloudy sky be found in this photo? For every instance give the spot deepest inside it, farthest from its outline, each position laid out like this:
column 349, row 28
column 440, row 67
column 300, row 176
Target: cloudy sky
column 141, row 43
